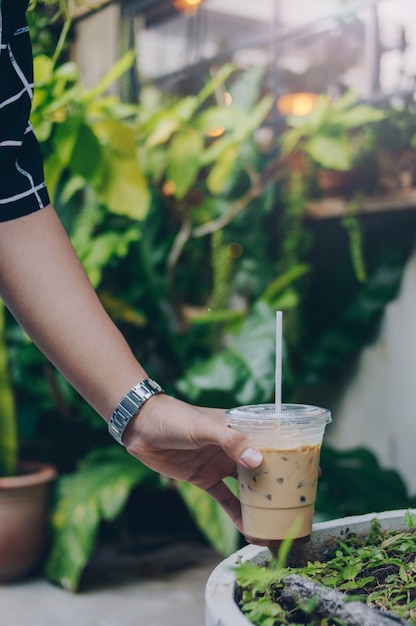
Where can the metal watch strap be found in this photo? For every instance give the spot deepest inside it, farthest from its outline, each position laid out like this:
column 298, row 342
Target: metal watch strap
column 130, row 405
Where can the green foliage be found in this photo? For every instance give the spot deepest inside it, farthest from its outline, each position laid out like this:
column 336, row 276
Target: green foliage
column 97, row 491
column 325, row 134
column 377, row 568
column 241, row 373
column 107, row 165
column 8, row 421
column 174, row 211
column 212, row 520
column 353, row 483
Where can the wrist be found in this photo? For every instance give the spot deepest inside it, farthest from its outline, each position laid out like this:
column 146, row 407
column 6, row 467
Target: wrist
column 130, row 405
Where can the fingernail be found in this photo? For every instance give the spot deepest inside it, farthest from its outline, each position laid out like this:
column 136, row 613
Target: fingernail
column 251, row 457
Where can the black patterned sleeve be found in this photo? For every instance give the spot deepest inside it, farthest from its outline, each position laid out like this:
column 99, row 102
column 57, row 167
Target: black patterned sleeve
column 22, row 185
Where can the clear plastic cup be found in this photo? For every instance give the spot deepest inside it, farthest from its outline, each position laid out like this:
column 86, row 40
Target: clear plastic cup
column 278, row 498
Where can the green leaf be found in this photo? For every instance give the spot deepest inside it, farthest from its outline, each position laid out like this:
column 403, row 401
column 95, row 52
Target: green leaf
column 97, row 491
column 210, row 518
column 255, row 118
column 221, row 171
column 358, row 116
column 42, row 69
column 116, row 135
column 219, row 79
column 216, row 148
column 64, row 139
column 332, row 152
column 117, row 70
column 123, row 189
column 183, row 160
column 86, row 158
column 105, row 247
column 69, row 72
column 163, row 131
column 243, row 373
column 245, row 89
column 410, row 519
column 228, row 118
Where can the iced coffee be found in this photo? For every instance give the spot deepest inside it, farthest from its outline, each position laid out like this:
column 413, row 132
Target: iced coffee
column 278, row 498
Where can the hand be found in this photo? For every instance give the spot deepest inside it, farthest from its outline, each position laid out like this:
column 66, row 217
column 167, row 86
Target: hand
column 191, row 443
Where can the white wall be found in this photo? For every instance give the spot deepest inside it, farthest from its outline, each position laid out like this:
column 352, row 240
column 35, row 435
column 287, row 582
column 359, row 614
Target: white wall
column 378, row 409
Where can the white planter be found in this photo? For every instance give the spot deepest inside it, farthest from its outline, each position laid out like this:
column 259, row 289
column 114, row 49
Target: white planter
column 220, row 607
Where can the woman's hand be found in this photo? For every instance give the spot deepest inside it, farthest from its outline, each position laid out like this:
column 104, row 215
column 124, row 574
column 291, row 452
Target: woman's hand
column 191, row 443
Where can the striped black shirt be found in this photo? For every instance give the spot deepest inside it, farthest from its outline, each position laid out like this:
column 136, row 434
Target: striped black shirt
column 22, row 185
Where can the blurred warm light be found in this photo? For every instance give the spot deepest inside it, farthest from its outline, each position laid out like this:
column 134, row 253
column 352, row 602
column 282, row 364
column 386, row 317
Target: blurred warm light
column 168, row 188
column 228, row 99
column 187, row 6
column 235, row 250
column 298, row 104
column 215, row 132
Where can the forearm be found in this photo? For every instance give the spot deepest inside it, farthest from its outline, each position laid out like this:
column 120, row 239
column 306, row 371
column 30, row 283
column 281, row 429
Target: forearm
column 44, row 285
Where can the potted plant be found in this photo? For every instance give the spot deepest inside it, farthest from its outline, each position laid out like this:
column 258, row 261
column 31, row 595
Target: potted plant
column 24, row 488
column 336, row 138
column 221, row 589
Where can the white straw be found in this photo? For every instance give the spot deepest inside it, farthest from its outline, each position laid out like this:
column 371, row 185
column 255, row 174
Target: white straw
column 278, row 372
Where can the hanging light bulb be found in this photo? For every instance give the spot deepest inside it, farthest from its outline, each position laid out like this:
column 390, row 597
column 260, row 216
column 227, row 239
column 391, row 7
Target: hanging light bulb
column 187, row 6
column 298, row 104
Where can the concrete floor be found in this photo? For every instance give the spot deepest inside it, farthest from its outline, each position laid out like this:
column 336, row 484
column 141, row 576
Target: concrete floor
column 164, row 587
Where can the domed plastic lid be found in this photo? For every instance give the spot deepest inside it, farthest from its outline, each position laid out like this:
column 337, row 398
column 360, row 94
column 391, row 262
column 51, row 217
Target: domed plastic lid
column 290, row 414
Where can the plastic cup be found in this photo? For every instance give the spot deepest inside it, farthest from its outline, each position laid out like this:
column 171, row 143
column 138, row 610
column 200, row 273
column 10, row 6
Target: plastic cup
column 278, row 497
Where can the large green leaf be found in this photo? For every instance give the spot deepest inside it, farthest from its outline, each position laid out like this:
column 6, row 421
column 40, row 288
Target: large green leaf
column 123, row 188
column 359, row 115
column 242, row 373
column 210, row 518
column 245, row 89
column 97, row 491
column 86, row 158
column 332, row 152
column 183, row 160
column 64, row 138
column 221, row 171
column 254, row 119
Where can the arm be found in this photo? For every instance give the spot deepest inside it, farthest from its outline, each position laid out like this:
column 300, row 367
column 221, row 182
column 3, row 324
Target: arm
column 46, row 289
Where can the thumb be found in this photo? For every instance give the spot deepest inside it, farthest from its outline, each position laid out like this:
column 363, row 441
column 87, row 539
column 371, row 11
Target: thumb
column 234, row 443
column 251, row 457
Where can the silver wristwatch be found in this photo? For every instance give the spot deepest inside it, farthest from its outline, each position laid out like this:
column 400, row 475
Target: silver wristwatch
column 130, row 405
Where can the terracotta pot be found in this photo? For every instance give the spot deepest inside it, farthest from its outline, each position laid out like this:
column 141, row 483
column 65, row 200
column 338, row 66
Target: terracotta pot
column 336, row 182
column 221, row 608
column 24, row 506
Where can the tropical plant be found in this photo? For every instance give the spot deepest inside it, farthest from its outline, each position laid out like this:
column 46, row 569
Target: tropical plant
column 172, row 208
column 335, row 135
